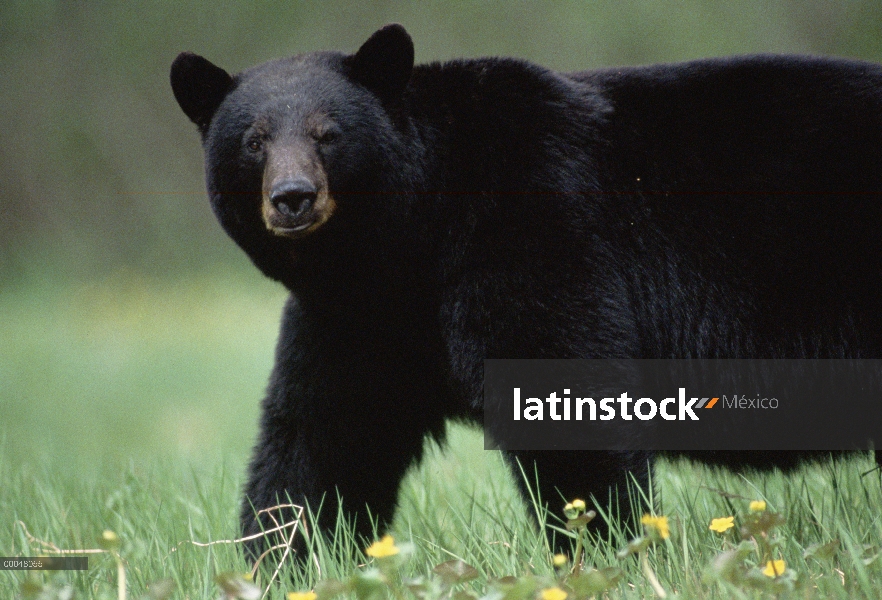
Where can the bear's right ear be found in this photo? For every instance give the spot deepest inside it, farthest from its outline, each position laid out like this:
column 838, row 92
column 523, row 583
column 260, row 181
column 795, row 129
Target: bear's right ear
column 199, row 87
column 384, row 63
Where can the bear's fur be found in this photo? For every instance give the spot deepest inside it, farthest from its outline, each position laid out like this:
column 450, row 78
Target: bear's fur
column 426, row 218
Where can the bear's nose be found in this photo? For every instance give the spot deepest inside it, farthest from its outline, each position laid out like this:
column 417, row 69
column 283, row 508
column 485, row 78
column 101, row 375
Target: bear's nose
column 293, row 197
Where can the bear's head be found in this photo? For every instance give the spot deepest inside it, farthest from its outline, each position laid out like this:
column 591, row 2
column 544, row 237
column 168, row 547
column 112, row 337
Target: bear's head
column 292, row 145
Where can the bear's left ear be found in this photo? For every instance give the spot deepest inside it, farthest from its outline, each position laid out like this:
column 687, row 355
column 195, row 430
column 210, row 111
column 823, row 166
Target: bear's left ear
column 384, row 63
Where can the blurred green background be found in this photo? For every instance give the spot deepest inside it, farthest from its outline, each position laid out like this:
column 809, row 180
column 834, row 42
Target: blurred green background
column 129, row 324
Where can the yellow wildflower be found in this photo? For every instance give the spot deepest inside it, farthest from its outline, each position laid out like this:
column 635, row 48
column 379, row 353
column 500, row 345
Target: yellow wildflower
column 554, row 593
column 559, row 560
column 659, row 524
column 774, row 568
column 722, row 524
column 302, row 596
column 385, row 547
column 109, row 536
column 109, row 540
column 574, row 509
column 757, row 506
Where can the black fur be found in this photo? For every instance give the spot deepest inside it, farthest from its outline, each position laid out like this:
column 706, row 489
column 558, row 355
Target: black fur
column 492, row 208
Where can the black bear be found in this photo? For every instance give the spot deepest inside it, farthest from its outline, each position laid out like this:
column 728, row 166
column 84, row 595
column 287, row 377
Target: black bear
column 425, row 218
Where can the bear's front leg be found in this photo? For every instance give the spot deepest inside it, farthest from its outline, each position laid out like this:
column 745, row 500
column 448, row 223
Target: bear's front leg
column 346, row 413
column 309, row 462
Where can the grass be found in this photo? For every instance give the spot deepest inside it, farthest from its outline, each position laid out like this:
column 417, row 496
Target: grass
column 130, row 405
column 125, row 366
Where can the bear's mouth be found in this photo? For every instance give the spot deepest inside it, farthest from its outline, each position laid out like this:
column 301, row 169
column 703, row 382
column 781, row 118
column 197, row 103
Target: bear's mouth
column 292, row 231
column 289, row 223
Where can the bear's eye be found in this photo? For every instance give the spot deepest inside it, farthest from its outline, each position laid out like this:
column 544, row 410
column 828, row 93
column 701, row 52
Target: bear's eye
column 254, row 144
column 326, row 136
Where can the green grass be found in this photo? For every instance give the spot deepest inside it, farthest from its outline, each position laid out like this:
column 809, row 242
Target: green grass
column 130, row 405
column 126, row 366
